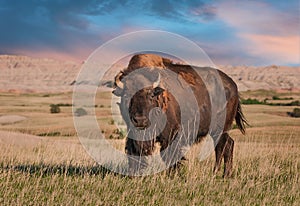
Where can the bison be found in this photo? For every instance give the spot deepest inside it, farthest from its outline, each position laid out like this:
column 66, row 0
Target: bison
column 138, row 101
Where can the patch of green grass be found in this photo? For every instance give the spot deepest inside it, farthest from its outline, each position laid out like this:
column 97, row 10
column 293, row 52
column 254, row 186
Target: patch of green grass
column 64, row 105
column 251, row 101
column 294, row 113
column 265, row 102
column 54, row 108
column 280, row 98
column 50, row 134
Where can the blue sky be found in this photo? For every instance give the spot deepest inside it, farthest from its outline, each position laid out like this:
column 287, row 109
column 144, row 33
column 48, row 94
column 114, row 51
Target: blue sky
column 256, row 32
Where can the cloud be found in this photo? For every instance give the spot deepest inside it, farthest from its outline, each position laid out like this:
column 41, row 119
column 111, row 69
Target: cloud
column 258, row 17
column 65, row 26
column 163, row 8
column 279, row 49
column 182, row 10
column 268, row 31
column 206, row 12
column 50, row 27
column 232, row 31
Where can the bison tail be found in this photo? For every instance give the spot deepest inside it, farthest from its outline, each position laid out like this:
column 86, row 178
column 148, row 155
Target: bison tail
column 240, row 119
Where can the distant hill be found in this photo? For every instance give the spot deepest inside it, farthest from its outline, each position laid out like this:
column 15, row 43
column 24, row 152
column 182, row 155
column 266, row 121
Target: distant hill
column 26, row 74
column 268, row 78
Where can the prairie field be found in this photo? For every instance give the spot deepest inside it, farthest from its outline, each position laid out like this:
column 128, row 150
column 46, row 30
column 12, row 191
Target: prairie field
column 43, row 163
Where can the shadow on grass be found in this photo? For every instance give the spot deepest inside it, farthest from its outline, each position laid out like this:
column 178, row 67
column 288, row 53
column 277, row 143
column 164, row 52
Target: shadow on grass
column 63, row 169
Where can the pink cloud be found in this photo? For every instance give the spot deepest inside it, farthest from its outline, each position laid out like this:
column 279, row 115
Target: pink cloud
column 258, row 17
column 266, row 32
column 284, row 49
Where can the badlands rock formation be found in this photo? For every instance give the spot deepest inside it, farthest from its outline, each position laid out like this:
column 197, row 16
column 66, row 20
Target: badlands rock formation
column 26, row 74
column 268, row 78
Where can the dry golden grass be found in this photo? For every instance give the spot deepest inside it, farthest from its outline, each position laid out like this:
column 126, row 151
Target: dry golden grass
column 56, row 170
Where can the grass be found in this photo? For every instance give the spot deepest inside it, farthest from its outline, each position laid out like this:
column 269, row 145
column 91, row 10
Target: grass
column 55, row 169
column 36, row 108
column 262, row 94
column 263, row 174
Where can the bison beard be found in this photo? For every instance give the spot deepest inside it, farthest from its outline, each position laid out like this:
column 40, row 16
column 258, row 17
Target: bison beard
column 138, row 143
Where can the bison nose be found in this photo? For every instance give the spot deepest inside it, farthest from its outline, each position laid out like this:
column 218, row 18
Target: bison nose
column 140, row 121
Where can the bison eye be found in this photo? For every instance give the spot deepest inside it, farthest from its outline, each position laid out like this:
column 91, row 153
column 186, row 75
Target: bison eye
column 157, row 91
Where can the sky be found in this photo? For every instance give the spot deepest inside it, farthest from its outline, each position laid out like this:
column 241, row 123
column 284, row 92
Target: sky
column 231, row 32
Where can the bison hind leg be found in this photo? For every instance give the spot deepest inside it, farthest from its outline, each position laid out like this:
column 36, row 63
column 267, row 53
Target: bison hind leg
column 224, row 149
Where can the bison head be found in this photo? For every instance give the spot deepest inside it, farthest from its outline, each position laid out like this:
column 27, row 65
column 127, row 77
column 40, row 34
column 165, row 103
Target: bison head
column 138, row 100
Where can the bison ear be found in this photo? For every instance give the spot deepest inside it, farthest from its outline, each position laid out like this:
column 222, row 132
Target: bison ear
column 157, row 91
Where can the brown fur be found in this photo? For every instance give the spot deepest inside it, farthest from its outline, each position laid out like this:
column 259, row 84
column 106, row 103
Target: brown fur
column 145, row 60
column 139, row 106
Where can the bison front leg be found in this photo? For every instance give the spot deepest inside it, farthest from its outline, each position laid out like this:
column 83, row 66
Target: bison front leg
column 224, row 149
column 173, row 152
column 137, row 152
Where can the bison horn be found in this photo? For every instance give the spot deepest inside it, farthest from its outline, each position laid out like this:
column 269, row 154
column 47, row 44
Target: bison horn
column 157, row 82
column 118, row 81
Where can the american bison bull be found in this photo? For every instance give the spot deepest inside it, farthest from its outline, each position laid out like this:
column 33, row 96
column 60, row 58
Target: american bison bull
column 138, row 101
